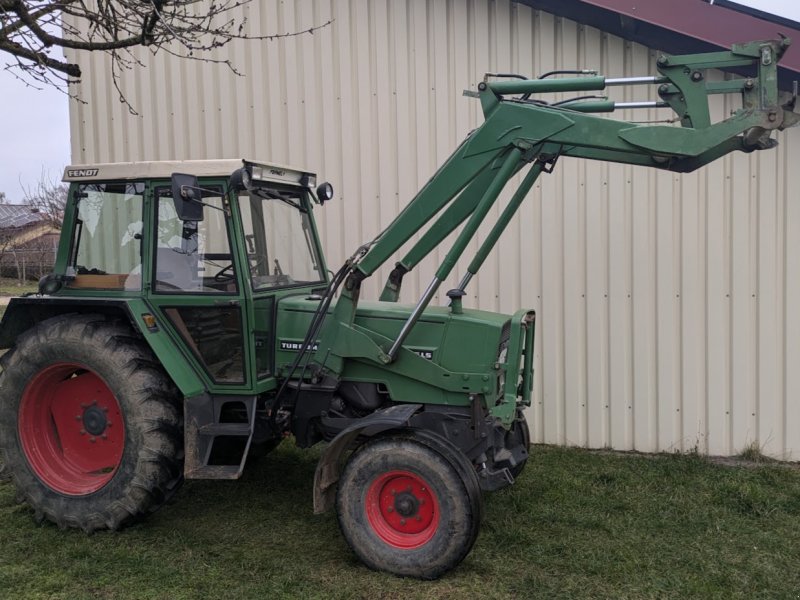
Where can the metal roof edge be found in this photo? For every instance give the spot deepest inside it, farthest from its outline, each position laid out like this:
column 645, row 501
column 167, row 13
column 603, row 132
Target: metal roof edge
column 754, row 12
column 679, row 26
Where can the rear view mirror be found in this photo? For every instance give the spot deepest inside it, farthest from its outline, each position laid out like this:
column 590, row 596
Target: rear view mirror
column 187, row 197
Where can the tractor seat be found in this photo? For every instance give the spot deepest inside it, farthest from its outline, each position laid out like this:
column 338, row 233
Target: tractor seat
column 178, row 270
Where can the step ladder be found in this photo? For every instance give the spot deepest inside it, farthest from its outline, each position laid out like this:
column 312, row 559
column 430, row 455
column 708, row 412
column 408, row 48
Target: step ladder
column 217, row 449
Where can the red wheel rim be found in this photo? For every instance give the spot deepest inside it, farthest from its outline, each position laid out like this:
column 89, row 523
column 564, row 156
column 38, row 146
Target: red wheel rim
column 71, row 429
column 402, row 509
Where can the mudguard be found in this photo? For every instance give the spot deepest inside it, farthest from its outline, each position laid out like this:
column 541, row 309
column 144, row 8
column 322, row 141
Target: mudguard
column 23, row 313
column 328, row 468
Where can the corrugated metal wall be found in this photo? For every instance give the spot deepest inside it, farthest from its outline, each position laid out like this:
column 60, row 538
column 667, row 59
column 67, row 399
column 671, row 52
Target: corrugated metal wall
column 664, row 301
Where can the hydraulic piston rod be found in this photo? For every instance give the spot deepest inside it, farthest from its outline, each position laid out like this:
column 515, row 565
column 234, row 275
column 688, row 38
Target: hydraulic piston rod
column 505, row 218
column 635, row 80
column 489, row 198
column 644, row 104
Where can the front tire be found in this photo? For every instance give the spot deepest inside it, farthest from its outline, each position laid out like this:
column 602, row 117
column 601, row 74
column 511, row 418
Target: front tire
column 90, row 424
column 409, row 503
column 519, row 436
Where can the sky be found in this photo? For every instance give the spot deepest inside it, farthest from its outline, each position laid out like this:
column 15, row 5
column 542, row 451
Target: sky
column 35, row 135
column 35, row 123
column 785, row 8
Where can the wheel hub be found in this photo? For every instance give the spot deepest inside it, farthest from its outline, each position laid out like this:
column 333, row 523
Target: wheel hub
column 95, row 420
column 406, row 504
column 402, row 509
column 71, row 429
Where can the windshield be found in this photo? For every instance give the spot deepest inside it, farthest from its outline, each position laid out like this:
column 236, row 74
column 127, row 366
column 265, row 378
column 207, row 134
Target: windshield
column 280, row 244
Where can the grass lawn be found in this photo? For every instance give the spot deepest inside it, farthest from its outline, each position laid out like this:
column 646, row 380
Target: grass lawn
column 576, row 524
column 11, row 287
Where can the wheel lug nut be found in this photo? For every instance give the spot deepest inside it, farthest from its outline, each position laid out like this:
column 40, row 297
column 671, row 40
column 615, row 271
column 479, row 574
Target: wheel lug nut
column 402, row 521
column 422, row 500
column 93, row 439
column 78, row 417
column 393, row 492
column 408, row 489
column 389, row 509
column 418, row 518
column 84, row 405
column 423, row 489
column 104, row 436
column 83, row 432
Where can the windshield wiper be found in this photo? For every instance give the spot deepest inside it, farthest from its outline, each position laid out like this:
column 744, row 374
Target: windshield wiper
column 272, row 195
column 311, row 253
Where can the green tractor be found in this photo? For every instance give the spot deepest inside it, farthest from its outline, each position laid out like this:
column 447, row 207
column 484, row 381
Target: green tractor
column 191, row 322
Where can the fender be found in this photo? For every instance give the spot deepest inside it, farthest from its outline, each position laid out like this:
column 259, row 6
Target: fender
column 23, row 313
column 328, row 468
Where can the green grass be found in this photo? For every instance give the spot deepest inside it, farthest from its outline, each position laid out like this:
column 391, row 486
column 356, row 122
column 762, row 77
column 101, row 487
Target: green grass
column 577, row 524
column 752, row 453
column 11, row 287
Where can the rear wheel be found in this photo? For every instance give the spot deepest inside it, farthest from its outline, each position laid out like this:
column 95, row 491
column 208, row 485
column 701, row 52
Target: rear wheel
column 90, row 425
column 409, row 503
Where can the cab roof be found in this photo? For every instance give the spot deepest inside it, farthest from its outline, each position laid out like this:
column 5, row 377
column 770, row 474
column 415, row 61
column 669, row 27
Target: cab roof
column 163, row 169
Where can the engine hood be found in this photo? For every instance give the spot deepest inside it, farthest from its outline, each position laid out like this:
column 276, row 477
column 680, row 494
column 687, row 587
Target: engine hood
column 469, row 341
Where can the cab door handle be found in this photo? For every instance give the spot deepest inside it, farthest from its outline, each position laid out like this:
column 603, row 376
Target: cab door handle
column 226, row 303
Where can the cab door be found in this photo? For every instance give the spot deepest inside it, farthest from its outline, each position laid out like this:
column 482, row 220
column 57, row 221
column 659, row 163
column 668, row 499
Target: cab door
column 196, row 287
column 282, row 255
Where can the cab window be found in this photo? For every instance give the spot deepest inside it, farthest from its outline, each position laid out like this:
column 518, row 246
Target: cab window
column 107, row 239
column 193, row 256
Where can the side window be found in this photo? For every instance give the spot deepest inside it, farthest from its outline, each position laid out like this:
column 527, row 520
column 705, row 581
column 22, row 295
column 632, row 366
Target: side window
column 107, row 241
column 214, row 335
column 193, row 256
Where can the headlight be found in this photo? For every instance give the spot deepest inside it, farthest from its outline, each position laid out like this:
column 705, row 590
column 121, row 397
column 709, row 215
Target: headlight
column 257, row 172
column 324, row 192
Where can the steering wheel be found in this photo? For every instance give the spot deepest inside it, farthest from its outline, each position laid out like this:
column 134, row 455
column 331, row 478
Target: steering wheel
column 225, row 274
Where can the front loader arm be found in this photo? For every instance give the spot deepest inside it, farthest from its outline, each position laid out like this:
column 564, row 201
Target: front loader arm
column 519, row 129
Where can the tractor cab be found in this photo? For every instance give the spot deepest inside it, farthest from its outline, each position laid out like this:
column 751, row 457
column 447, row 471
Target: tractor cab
column 209, row 254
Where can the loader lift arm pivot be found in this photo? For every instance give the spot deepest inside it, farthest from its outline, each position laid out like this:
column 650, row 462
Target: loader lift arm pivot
column 520, row 128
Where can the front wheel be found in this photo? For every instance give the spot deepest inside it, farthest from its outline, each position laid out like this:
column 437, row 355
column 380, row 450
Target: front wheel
column 90, row 425
column 409, row 503
column 518, row 439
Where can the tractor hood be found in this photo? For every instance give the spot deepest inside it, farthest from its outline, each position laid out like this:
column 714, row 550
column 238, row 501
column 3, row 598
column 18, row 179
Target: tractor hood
column 466, row 342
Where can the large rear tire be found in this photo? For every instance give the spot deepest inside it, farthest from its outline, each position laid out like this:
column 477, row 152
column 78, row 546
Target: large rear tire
column 90, row 424
column 409, row 504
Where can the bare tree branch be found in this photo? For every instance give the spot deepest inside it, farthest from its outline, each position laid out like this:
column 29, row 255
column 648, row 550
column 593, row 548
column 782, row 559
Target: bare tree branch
column 35, row 32
column 48, row 197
